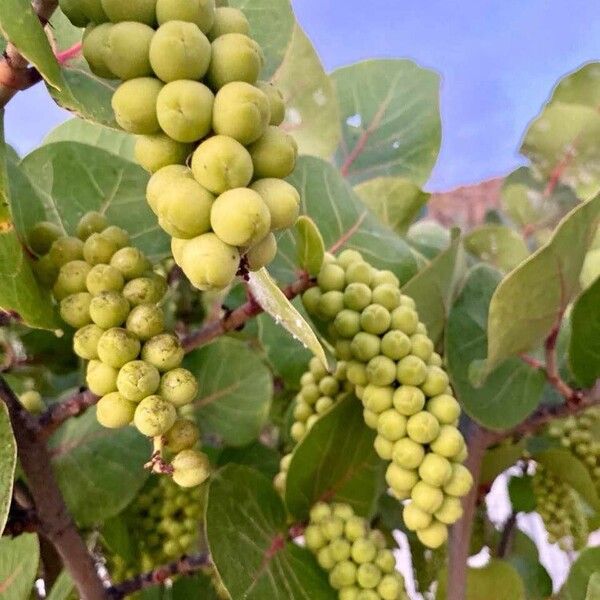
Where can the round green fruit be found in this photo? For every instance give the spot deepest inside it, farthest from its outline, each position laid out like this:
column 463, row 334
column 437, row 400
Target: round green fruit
column 117, row 235
column 183, row 435
column 408, row 400
column 145, row 290
column 262, row 253
column 32, row 402
column 164, row 351
column 109, row 309
column 445, row 408
column 126, row 50
column 347, row 323
column 387, row 295
column 381, row 371
column 407, row 453
column 191, row 468
column 179, row 387
column 235, row 57
column 343, row 574
column 134, row 105
column 146, row 321
column 94, row 48
column 390, row 587
column 368, row 576
column 154, row 416
column 423, row 427
column 45, row 271
column 91, row 222
column 114, row 412
column 400, row 479
column 434, row 535
column 378, row 398
column 436, row 382
column 98, row 249
column 42, row 236
column 359, row 272
column 162, row 181
column 104, row 278
column 363, row 551
column 331, row 277
column 118, row 346
column 276, row 101
column 274, row 154
column 435, row 470
column 137, row 380
column 75, row 309
column 131, row 262
column 101, row 378
column 427, row 497
column 405, row 319
column 357, row 296
column 85, row 342
column 140, row 11
column 71, row 278
column 383, row 447
column 153, row 152
column 460, row 481
column 199, row 12
column 65, row 249
column 73, row 10
column 450, row 511
column 365, row 346
column 229, row 20
column 449, row 442
column 314, row 538
column 411, row 371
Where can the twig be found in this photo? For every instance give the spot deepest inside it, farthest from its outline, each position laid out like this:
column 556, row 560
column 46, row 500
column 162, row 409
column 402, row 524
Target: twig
column 21, row 521
column 58, row 413
column 508, row 535
column 183, row 566
column 552, row 372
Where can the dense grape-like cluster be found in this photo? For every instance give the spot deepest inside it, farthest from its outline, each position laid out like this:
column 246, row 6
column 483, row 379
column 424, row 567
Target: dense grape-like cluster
column 404, row 389
column 166, row 520
column 207, row 127
column 319, row 391
column 561, row 511
column 360, row 566
column 108, row 291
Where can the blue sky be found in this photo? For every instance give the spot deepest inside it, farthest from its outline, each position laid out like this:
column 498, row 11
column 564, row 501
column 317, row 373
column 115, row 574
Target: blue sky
column 498, row 60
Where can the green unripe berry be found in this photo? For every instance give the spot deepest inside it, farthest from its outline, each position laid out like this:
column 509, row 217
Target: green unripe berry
column 387, row 295
column 276, row 102
column 365, row 346
column 114, row 412
column 343, row 511
column 209, row 263
column 134, row 105
column 71, row 278
column 183, row 435
column 117, row 235
column 310, row 300
column 344, row 573
column 434, row 535
column 146, row 321
column 85, row 342
column 154, row 152
column 137, row 380
column 367, row 595
column 330, row 304
column 101, row 378
column 282, row 200
column 408, row 454
column 445, row 408
column 162, row 181
column 131, row 262
column 340, row 549
column 329, row 386
column 383, row 447
column 391, row 425
column 325, row 559
column 332, row 527
column 310, row 393
column 235, row 57
column 349, row 256
column 93, row 10
column 370, row 418
column 408, row 400
column 368, row 576
column 32, row 402
column 126, row 50
column 221, row 163
column 381, row 371
column 427, row 497
column 355, row 528
column 262, row 253
column 314, row 538
column 435, row 470
column 450, row 511
column 383, row 277
column 347, row 323
column 104, row 278
column 400, row 479
column 343, row 349
column 449, row 442
column 415, row 518
column 423, row 427
column 331, row 277
column 66, row 249
column 405, row 319
column 324, row 403
column 386, row 561
column 95, row 42
column 118, row 346
column 363, row 551
column 145, row 290
column 98, row 249
column 422, row 346
column 73, row 10
column 154, row 416
column 395, row 345
column 75, row 309
column 411, row 371
column 109, row 309
column 378, row 398
column 302, row 411
column 390, row 587
column 164, row 351
column 45, row 271
column 200, row 12
column 436, row 382
column 179, row 387
column 274, row 154
column 91, row 222
column 229, row 20
column 42, row 236
column 141, row 11
column 357, row 296
column 191, row 468
column 460, row 482
column 357, row 374
column 375, row 319
column 359, row 272
column 319, row 512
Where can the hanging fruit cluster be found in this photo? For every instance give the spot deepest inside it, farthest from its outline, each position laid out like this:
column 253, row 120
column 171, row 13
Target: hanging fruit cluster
column 391, row 362
column 108, row 291
column 207, row 127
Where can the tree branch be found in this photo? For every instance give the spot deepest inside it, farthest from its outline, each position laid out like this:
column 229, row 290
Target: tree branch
column 54, row 519
column 58, row 413
column 508, row 535
column 183, row 566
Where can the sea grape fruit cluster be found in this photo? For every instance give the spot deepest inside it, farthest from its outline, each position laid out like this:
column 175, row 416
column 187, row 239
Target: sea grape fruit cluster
column 207, row 127
column 359, row 564
column 407, row 398
column 108, row 291
column 561, row 510
column 166, row 520
column 319, row 391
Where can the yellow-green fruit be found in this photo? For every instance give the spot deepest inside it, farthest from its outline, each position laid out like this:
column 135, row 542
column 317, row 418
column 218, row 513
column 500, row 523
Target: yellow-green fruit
column 109, row 309
column 383, row 447
column 276, row 101
column 117, row 235
column 179, row 387
column 183, row 435
column 184, row 210
column 98, row 249
column 387, row 294
column 200, row 12
column 415, row 518
column 407, row 453
column 164, row 351
column 118, row 346
column 365, row 346
column 114, row 412
column 357, row 375
column 262, row 253
column 408, row 400
column 32, row 402
column 45, row 270
column 73, row 10
column 131, row 262
column 343, row 574
column 363, row 551
column 240, row 217
column 71, row 278
column 137, row 380
column 405, row 319
column 359, row 272
column 66, row 249
column 357, row 296
column 75, row 309
column 274, row 154
column 435, row 470
column 368, row 576
column 104, row 278
column 423, row 427
column 229, row 20
column 209, row 263
column 146, row 321
column 153, row 152
column 184, row 110
column 390, row 587
column 378, row 398
column 94, row 45
column 221, row 163
column 391, row 425
column 42, row 236
column 449, row 442
column 191, row 468
column 381, row 371
column 436, row 382
column 141, row 11
column 450, row 511
column 91, row 222
column 434, row 535
column 282, row 199
column 399, row 478
column 101, row 378
column 85, row 342
column 154, row 416
column 179, row 50
column 162, row 181
column 445, row 408
column 331, row 277
column 235, row 57
column 93, row 10
column 145, row 290
column 241, row 111
column 427, row 497
column 126, row 50
column 460, row 481
column 134, row 105
column 411, row 371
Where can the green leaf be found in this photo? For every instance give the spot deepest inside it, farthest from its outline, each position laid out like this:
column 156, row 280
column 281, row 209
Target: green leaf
column 274, row 302
column 580, row 87
column 528, row 302
column 71, row 179
column 513, row 389
column 99, row 470
column 497, row 245
column 246, row 518
column 335, row 461
column 21, row 26
column 271, row 25
column 235, row 391
column 428, row 238
column 255, row 455
column 312, row 111
column 568, row 468
column 117, row 538
column 538, row 584
column 8, row 461
column 342, row 219
column 311, row 247
column 521, row 494
column 496, row 460
column 580, row 575
column 62, row 589
column 117, row 142
column 396, row 201
column 19, row 559
column 584, row 349
column 433, row 288
column 390, row 120
column 198, row 586
column 593, row 591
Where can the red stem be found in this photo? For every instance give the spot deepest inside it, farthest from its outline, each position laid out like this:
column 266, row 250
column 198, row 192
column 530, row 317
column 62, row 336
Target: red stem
column 68, row 54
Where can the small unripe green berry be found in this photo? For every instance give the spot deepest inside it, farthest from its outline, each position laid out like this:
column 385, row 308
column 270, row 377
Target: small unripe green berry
column 162, row 181
column 101, row 378
column 365, row 346
column 436, row 382
column 449, row 441
column 274, row 154
column 386, row 561
column 400, row 479
column 131, row 262
column 137, row 380
column 450, row 511
column 325, row 559
column 415, row 518
column 445, row 408
column 349, row 256
column 95, row 40
column 405, row 319
column 146, row 321
column 154, row 152
column 378, row 398
column 332, row 527
column 375, row 319
column 368, row 576
column 66, row 249
column 370, row 418
column 460, row 482
column 434, row 535
column 330, row 304
column 229, row 20
column 357, row 296
column 310, row 300
column 381, row 371
column 284, row 463
column 411, row 371
column 117, row 235
column 45, row 271
column 331, row 277
column 422, row 346
column 427, row 497
column 118, row 346
column 183, row 435
column 383, row 447
column 73, row 10
column 310, row 393
column 141, row 11
column 164, row 351
column 302, row 410
column 235, row 57
column 408, row 454
column 387, row 295
column 342, row 510
column 191, row 468
column 85, row 342
column 395, row 345
column 357, row 374
column 91, row 222
column 109, row 309
column 391, row 425
column 343, row 349
column 262, row 253
column 134, row 105
column 104, row 278
column 32, row 402
column 75, row 309
column 363, row 551
column 276, row 101
column 179, row 387
column 435, row 470
column 126, row 50
column 319, row 512
column 98, row 249
column 314, row 538
column 200, row 12
column 145, row 290
column 408, row 400
column 71, row 278
column 344, row 573
column 423, row 427
column 154, row 416
column 359, row 272
column 114, row 412
column 42, row 236
column 340, row 549
column 324, row 403
column 355, row 528
column 347, row 323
